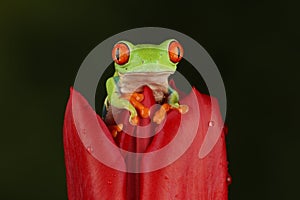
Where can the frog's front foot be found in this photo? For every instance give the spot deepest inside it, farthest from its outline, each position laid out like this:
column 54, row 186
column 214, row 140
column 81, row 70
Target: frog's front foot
column 115, row 129
column 134, row 120
column 183, row 109
column 136, row 99
column 143, row 111
column 160, row 115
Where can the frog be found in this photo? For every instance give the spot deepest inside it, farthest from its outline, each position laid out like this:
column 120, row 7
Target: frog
column 142, row 65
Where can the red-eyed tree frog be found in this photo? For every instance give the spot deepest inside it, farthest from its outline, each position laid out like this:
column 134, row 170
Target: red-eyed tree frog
column 140, row 65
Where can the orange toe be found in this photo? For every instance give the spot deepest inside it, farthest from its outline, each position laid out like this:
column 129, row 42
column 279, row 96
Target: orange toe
column 159, row 116
column 183, row 109
column 139, row 97
column 115, row 129
column 144, row 112
column 134, row 120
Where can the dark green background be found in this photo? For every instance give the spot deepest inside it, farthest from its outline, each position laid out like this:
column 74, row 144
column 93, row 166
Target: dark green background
column 255, row 44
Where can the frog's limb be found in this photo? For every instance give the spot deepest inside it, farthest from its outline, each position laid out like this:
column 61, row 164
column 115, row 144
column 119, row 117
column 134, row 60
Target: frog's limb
column 136, row 96
column 135, row 99
column 183, row 109
column 105, row 108
column 115, row 129
column 117, row 101
column 173, row 103
column 144, row 111
column 173, row 98
column 139, row 97
column 159, row 115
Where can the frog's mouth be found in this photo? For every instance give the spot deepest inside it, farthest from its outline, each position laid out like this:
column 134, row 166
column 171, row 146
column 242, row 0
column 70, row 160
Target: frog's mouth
column 134, row 82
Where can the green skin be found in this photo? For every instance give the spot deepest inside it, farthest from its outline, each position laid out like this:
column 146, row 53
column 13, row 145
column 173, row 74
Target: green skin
column 144, row 58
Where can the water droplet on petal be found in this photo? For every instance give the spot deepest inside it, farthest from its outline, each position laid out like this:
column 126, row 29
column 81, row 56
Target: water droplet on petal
column 211, row 123
column 166, row 177
column 90, row 149
column 229, row 179
column 109, row 182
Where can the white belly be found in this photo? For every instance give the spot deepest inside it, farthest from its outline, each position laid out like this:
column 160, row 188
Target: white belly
column 134, row 82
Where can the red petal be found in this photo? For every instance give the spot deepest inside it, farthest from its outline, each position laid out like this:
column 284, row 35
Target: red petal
column 87, row 178
column 189, row 177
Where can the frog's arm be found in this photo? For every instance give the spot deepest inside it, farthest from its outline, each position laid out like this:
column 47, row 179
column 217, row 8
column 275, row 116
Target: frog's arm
column 117, row 101
column 173, row 97
column 173, row 103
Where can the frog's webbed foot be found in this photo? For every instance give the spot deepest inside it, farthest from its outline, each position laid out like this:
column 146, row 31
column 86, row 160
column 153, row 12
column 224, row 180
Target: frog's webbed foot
column 134, row 120
column 160, row 115
column 142, row 110
column 183, row 109
column 115, row 129
column 135, row 100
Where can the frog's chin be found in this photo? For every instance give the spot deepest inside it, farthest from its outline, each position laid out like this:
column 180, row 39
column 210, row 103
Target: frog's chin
column 135, row 81
column 134, row 78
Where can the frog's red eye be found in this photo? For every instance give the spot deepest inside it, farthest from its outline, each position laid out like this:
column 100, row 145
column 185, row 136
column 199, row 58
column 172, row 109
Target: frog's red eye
column 120, row 53
column 175, row 51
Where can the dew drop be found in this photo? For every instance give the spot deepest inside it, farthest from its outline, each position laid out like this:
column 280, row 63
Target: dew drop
column 90, row 149
column 166, row 177
column 211, row 123
column 229, row 179
column 109, row 182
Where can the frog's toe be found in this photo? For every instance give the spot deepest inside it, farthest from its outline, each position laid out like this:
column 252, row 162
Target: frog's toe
column 138, row 96
column 159, row 116
column 183, row 109
column 134, row 120
column 115, row 129
column 144, row 112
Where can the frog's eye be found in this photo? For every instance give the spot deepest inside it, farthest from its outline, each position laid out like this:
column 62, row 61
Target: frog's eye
column 175, row 51
column 120, row 53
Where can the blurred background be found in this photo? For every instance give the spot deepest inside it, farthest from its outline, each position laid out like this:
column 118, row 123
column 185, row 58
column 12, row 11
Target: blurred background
column 255, row 45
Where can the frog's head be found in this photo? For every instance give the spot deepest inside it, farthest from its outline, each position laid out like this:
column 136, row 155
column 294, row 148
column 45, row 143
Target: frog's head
column 145, row 58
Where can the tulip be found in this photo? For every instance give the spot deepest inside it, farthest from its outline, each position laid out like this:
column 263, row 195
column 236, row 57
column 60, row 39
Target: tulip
column 187, row 177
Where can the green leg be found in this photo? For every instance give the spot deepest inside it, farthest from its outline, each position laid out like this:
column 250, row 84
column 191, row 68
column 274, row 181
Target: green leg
column 117, row 101
column 121, row 103
column 173, row 98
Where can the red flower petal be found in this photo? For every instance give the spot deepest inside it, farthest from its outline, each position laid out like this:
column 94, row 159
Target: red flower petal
column 87, row 178
column 189, row 177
